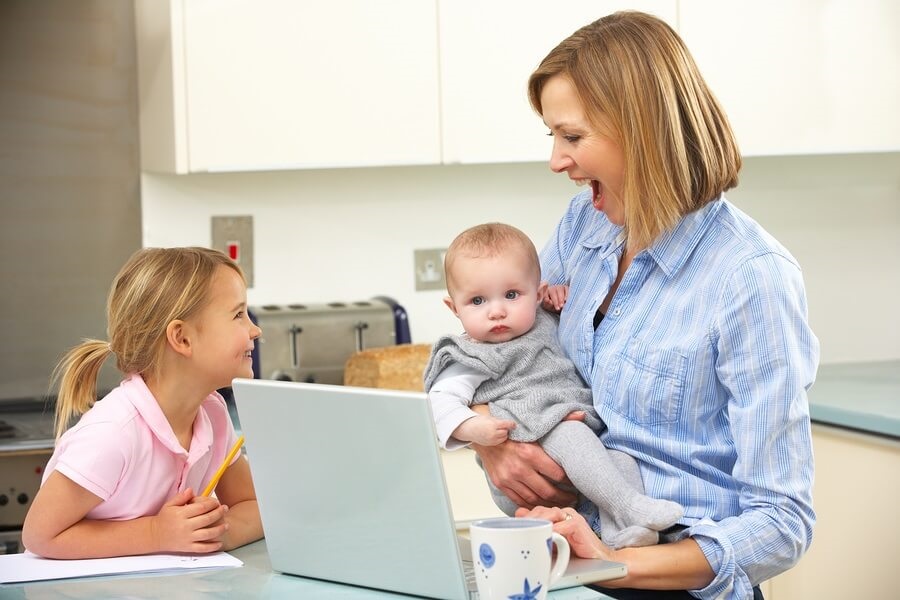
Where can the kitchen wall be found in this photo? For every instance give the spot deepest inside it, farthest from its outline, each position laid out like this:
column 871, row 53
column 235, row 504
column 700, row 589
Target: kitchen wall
column 69, row 178
column 69, row 192
column 349, row 234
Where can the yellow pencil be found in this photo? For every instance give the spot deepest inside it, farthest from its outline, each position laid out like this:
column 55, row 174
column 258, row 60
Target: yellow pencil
column 215, row 480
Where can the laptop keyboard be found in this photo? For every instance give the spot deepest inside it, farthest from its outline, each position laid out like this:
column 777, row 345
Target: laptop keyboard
column 469, row 571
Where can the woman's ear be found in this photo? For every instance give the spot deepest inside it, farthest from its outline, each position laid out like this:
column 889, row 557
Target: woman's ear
column 177, row 337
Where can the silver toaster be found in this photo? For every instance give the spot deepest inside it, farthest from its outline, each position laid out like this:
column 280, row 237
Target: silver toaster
column 312, row 342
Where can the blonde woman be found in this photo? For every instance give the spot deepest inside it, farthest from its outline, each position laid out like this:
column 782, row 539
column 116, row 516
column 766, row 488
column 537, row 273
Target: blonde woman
column 124, row 480
column 687, row 320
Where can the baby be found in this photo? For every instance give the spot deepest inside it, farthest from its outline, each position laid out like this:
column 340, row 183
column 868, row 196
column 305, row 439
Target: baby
column 509, row 358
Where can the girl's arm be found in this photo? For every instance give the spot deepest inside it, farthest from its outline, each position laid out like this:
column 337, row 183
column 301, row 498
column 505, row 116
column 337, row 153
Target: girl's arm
column 56, row 527
column 235, row 490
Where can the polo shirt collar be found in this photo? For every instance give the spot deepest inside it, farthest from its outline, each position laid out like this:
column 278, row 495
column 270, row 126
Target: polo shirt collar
column 145, row 404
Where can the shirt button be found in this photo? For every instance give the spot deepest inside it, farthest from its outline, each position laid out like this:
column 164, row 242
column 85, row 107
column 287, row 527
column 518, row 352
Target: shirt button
column 617, row 312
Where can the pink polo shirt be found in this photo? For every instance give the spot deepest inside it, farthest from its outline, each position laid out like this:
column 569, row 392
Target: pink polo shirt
column 124, row 451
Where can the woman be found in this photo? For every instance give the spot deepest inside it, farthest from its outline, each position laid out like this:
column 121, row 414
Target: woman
column 685, row 317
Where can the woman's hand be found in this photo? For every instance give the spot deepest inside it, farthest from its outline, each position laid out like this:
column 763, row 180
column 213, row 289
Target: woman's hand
column 679, row 565
column 568, row 523
column 525, row 473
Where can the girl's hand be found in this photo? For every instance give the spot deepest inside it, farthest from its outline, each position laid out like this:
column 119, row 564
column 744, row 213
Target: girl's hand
column 570, row 524
column 222, row 521
column 188, row 523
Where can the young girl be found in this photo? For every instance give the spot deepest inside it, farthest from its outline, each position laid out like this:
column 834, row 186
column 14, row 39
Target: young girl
column 124, row 479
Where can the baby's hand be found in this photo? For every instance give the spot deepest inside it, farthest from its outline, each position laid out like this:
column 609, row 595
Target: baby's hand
column 188, row 523
column 484, row 430
column 555, row 297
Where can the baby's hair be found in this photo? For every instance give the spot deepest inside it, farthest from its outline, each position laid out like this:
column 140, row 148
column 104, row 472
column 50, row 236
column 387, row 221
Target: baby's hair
column 488, row 240
column 155, row 287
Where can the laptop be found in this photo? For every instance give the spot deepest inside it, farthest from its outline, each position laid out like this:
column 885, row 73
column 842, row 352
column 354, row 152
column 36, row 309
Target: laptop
column 351, row 490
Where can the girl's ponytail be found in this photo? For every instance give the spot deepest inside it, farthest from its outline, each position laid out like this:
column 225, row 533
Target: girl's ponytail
column 77, row 375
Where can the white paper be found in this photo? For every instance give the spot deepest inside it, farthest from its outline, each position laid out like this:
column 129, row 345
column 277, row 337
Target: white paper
column 16, row 568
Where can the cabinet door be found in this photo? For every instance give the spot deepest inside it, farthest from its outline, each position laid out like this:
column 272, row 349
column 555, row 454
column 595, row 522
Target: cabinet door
column 801, row 77
column 855, row 544
column 488, row 50
column 274, row 84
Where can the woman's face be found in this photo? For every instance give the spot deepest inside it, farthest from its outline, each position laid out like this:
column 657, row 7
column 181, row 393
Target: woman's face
column 587, row 154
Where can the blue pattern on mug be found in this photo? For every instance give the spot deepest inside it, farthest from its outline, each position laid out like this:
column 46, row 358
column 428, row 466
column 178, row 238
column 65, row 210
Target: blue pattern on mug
column 527, row 593
column 486, row 553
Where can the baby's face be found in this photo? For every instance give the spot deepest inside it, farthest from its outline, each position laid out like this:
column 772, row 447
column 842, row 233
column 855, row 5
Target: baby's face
column 496, row 298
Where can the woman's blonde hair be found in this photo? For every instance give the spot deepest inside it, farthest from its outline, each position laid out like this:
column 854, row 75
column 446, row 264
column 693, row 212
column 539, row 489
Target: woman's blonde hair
column 487, row 240
column 633, row 73
column 155, row 287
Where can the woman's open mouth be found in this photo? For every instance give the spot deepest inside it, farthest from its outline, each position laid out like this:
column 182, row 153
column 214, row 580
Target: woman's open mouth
column 596, row 194
column 596, row 191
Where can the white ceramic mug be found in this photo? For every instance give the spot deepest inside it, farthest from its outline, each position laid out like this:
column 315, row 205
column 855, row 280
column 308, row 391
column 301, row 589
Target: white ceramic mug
column 512, row 557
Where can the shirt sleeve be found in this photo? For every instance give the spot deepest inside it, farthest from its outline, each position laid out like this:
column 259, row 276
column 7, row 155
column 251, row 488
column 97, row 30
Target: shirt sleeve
column 450, row 396
column 767, row 359
column 93, row 457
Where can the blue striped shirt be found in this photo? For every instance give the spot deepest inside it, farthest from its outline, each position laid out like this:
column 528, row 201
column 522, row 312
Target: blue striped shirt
column 700, row 370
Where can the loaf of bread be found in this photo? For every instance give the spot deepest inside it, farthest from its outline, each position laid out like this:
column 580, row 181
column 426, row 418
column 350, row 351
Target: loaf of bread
column 391, row 367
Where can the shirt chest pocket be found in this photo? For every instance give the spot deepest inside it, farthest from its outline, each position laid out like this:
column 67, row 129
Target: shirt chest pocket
column 646, row 384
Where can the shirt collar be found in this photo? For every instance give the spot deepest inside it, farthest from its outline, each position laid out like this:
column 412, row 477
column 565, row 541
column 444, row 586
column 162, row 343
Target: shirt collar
column 673, row 248
column 605, row 236
column 145, row 403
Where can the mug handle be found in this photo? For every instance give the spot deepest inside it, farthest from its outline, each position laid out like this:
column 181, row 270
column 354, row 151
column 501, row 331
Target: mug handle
column 562, row 558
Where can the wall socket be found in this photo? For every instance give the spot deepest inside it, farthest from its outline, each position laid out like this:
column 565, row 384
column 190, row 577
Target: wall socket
column 429, row 269
column 233, row 235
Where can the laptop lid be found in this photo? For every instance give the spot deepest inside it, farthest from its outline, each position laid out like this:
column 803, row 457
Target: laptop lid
column 350, row 486
column 351, row 489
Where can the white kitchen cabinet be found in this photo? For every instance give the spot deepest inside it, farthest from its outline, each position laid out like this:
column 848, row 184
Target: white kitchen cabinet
column 488, row 50
column 231, row 85
column 801, row 77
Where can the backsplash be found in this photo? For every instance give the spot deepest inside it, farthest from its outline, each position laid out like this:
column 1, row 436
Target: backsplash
column 348, row 234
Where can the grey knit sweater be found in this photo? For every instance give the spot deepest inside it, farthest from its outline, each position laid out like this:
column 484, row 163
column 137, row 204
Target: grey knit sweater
column 530, row 380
